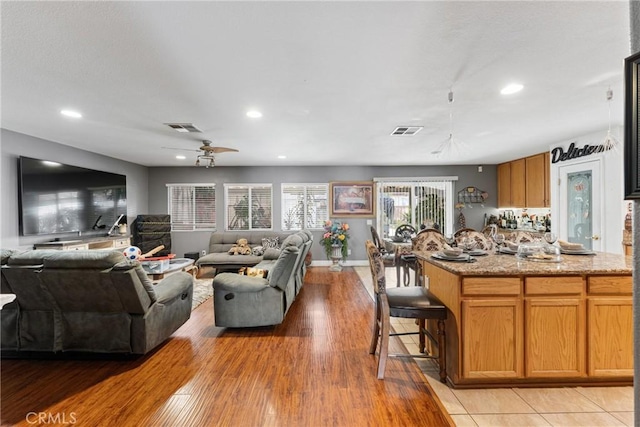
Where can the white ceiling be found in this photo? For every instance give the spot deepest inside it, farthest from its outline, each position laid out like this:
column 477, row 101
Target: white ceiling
column 333, row 79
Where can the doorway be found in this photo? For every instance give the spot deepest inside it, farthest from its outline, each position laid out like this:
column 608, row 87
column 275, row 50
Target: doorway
column 581, row 203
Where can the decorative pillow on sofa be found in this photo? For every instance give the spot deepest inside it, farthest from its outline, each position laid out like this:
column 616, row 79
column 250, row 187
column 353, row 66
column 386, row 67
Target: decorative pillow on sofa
column 271, row 242
column 253, row 272
column 258, row 251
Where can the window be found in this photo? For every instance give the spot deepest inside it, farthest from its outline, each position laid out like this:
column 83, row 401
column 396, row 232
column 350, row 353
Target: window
column 304, row 206
column 192, row 206
column 420, row 202
column 248, row 206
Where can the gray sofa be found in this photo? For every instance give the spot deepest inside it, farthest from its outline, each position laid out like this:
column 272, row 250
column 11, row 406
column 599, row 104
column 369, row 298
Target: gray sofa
column 242, row 301
column 221, row 241
column 88, row 301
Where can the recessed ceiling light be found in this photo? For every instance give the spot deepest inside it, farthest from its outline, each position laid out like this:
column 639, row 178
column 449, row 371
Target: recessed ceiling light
column 181, row 157
column 70, row 113
column 254, row 114
column 50, row 163
column 512, row 88
column 282, row 157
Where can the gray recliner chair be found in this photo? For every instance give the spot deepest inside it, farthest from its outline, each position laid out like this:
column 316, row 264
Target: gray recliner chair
column 242, row 301
column 88, row 301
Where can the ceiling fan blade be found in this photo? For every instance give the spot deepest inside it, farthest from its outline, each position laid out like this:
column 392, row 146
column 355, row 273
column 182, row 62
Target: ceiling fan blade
column 180, row 149
column 223, row 150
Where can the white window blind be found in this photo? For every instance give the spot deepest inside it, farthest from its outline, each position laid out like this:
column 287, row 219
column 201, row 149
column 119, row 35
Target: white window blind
column 192, row 206
column 304, row 206
column 426, row 201
column 248, row 206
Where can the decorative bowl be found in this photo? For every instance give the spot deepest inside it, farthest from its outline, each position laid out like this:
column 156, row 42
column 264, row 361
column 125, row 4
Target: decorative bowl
column 570, row 246
column 452, row 252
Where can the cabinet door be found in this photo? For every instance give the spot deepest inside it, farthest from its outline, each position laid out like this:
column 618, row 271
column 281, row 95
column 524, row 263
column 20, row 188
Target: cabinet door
column 555, row 344
column 610, row 336
column 535, row 181
column 518, row 183
column 504, row 185
column 492, row 338
column 547, row 180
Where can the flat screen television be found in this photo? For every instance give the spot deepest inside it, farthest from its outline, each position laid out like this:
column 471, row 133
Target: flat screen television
column 57, row 198
column 632, row 127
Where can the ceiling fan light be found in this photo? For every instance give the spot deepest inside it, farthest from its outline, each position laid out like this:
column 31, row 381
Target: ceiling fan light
column 511, row 89
column 254, row 114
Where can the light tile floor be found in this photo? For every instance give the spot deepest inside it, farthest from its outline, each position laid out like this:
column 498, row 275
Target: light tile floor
column 567, row 406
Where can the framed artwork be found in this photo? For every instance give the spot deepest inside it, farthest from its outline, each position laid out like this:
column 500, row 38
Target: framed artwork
column 352, row 199
column 631, row 127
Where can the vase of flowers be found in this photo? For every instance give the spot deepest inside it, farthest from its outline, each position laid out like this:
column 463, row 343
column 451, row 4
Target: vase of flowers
column 336, row 242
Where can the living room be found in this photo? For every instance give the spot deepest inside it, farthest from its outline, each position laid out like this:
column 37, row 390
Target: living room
column 149, row 168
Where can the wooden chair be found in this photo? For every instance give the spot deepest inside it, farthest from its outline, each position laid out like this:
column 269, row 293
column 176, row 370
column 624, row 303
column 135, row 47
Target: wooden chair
column 428, row 239
column 388, row 258
column 413, row 302
column 405, row 228
column 481, row 241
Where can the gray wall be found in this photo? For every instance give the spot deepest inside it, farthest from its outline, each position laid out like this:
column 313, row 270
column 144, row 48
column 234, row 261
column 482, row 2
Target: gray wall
column 191, row 242
column 635, row 47
column 14, row 145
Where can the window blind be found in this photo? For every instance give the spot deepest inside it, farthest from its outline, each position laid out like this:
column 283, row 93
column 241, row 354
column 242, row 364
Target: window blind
column 426, row 202
column 248, row 206
column 304, row 206
column 192, row 206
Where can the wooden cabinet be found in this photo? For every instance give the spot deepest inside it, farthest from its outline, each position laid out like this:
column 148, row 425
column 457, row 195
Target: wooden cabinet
column 79, row 245
column 524, row 183
column 536, row 181
column 555, row 321
column 492, row 332
column 511, row 184
column 504, row 185
column 547, row 176
column 492, row 338
column 610, row 339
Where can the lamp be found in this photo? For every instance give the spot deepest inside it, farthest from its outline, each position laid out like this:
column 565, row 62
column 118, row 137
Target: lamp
column 610, row 142
column 451, row 147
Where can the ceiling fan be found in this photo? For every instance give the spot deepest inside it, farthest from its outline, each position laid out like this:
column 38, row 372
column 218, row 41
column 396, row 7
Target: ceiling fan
column 207, row 154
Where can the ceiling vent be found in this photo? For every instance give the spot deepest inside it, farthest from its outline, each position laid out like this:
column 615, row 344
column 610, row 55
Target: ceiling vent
column 184, row 127
column 406, row 130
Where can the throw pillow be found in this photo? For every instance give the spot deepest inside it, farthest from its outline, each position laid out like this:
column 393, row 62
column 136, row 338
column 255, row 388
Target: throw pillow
column 271, row 242
column 253, row 272
column 258, row 251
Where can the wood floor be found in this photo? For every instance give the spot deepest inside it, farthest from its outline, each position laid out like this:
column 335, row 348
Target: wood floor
column 313, row 370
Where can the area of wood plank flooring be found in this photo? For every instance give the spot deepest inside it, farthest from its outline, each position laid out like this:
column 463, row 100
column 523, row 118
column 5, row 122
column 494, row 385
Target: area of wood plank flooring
column 312, row 370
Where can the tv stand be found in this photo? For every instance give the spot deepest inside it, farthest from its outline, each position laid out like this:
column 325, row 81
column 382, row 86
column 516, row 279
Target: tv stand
column 106, row 242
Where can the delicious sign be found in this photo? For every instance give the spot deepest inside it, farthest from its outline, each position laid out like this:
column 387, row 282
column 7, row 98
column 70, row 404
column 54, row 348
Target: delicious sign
column 559, row 155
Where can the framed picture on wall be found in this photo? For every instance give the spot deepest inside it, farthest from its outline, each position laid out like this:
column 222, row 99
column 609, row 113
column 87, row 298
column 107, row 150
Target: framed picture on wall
column 352, row 199
column 631, row 128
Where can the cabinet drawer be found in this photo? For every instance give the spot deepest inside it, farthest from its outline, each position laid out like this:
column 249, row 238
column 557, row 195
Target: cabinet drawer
column 566, row 285
column 491, row 286
column 616, row 285
column 122, row 243
column 80, row 247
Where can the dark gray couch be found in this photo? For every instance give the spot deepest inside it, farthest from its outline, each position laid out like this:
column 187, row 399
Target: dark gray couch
column 88, row 301
column 241, row 301
column 221, row 241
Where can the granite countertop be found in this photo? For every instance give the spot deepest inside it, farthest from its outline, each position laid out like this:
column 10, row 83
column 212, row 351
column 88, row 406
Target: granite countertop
column 510, row 265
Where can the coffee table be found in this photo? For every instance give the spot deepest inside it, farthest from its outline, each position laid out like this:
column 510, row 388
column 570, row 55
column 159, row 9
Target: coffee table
column 176, row 265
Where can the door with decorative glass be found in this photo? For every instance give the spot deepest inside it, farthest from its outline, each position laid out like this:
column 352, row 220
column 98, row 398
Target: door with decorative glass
column 580, row 204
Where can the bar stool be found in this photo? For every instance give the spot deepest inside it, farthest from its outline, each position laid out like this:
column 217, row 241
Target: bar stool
column 414, row 302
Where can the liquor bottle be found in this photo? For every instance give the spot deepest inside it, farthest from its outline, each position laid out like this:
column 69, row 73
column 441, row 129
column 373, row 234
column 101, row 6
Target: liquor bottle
column 628, row 222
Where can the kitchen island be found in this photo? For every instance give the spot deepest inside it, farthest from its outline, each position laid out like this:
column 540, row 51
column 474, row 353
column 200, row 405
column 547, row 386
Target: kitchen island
column 522, row 322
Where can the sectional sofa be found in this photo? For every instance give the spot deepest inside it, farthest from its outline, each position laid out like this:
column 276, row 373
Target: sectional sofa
column 87, row 301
